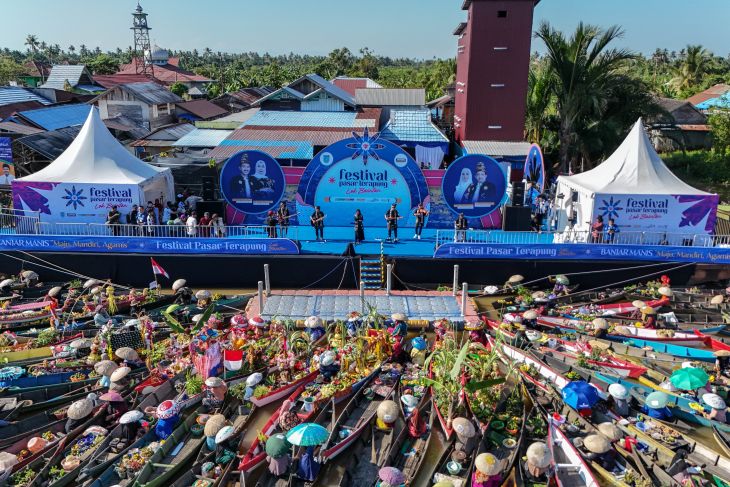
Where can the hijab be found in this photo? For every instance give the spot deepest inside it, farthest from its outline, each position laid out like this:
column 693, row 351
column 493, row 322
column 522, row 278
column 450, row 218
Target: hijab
column 464, row 182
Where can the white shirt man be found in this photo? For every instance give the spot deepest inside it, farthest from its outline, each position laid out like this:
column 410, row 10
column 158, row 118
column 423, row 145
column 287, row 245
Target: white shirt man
column 192, row 225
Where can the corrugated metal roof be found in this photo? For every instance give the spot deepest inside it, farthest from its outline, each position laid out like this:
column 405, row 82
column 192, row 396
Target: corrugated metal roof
column 51, row 144
column 271, row 118
column 90, row 88
column 169, row 134
column 496, row 147
column 167, row 73
column 17, row 128
column 151, row 93
column 61, row 73
column 17, row 94
column 711, row 92
column 283, row 149
column 352, row 84
column 111, row 80
column 380, row 97
column 52, row 118
column 412, row 126
column 203, row 109
column 330, row 88
column 203, row 138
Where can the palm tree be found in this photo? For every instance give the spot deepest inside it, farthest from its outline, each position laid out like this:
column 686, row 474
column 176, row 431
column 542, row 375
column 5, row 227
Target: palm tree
column 540, row 101
column 32, row 42
column 694, row 65
column 584, row 70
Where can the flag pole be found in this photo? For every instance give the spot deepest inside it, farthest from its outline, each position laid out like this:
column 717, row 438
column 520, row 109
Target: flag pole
column 157, row 283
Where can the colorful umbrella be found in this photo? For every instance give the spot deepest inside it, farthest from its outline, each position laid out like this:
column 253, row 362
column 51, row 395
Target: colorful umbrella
column 277, row 446
column 307, row 434
column 580, row 395
column 689, row 379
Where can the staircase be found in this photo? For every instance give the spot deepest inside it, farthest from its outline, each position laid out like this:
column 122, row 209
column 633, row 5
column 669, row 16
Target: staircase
column 372, row 270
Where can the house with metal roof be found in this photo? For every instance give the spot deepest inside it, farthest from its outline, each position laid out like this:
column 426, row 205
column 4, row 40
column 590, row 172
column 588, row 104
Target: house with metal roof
column 243, row 99
column 71, row 78
column 310, row 93
column 679, row 125
column 149, row 104
column 161, row 140
column 350, row 85
column 414, row 131
column 169, row 72
column 17, row 94
column 34, row 152
column 202, row 139
column 195, row 110
column 55, row 117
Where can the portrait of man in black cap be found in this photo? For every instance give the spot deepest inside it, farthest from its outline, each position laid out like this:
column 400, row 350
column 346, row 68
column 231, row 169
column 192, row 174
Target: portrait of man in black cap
column 480, row 191
column 242, row 186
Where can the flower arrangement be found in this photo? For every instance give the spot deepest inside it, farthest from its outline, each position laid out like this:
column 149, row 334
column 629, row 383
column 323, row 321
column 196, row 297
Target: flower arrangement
column 78, row 377
column 133, row 461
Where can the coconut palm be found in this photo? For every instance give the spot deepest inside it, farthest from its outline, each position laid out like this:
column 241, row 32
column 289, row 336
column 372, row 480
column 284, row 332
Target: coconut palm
column 540, row 104
column 584, row 70
column 692, row 68
column 32, row 42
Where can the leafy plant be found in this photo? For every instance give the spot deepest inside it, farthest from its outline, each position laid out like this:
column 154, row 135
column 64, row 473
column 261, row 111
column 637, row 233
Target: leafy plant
column 193, row 384
column 23, row 478
column 56, row 473
column 238, row 390
column 46, row 337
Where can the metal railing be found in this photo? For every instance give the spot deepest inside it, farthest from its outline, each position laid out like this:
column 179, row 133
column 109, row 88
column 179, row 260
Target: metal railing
column 584, row 237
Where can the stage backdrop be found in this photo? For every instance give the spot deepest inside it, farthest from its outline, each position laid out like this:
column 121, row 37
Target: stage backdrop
column 6, row 161
column 252, row 182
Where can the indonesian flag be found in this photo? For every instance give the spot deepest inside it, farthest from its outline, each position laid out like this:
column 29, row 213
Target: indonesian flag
column 157, row 269
column 233, row 359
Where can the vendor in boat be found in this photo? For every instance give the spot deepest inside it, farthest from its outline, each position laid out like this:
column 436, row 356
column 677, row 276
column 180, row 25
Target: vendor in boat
column 251, row 382
column 116, row 406
column 722, row 363
column 77, row 414
column 597, row 448
column 328, row 368
column 486, row 471
column 214, row 424
column 399, row 327
column 655, row 406
column 417, row 427
column 477, row 333
column 183, row 294
column 538, row 462
column 600, row 328
column 399, row 355
column 119, row 380
column 466, row 435
column 288, row 417
column 649, row 317
column 225, row 448
column 101, row 317
column 529, row 319
column 718, row 411
column 168, row 415
column 419, row 347
column 308, row 468
column 132, row 428
column 129, row 357
column 387, row 415
column 315, row 328
column 277, row 454
column 105, row 369
column 215, row 393
column 354, row 323
column 619, row 399
column 682, row 471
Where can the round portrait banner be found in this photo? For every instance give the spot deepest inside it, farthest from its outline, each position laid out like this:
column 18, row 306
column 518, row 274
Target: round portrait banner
column 252, row 182
column 474, row 185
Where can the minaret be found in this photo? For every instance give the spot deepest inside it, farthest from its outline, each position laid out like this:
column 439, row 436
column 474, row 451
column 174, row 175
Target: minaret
column 492, row 66
column 142, row 50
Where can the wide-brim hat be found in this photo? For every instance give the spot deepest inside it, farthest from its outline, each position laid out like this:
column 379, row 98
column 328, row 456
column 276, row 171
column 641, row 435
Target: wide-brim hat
column 714, row 401
column 313, row 322
column 257, row 321
column 409, row 400
column 179, row 284
column 105, row 367
column 388, row 411
column 327, row 359
column 721, row 353
column 127, row 353
column 214, row 424
column 464, row 427
column 538, row 295
column 562, row 279
column 618, row 391
column 81, row 343
column 203, row 294
column 530, row 314
column 717, row 299
column 29, row 274
column 487, row 464
column 223, row 434
column 111, row 396
column 120, row 374
column 80, row 409
column 95, row 290
column 665, row 291
column 474, row 326
column 131, row 417
column 638, row 303
column 55, row 291
column 419, row 343
column 6, row 283
column 657, row 399
column 596, row 444
column 600, row 324
column 398, row 317
column 254, row 379
column 91, row 283
column 516, row 278
column 167, row 409
column 538, row 455
column 214, row 382
column 610, row 431
column 648, row 310
column 491, row 289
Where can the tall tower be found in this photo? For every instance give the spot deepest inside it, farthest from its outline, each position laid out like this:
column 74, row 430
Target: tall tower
column 493, row 63
column 142, row 49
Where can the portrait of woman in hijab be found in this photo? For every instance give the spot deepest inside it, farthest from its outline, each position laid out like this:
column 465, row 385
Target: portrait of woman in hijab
column 263, row 185
column 461, row 190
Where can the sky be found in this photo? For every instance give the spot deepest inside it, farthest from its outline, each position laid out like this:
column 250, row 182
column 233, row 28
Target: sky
column 397, row 28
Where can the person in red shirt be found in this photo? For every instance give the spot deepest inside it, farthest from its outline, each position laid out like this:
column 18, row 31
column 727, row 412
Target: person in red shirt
column 204, row 225
column 597, row 230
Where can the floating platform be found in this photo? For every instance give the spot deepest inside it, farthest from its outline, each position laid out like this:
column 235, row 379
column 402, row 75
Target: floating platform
column 418, row 306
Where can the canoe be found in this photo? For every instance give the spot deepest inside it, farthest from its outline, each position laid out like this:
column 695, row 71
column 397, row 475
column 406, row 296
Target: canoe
column 569, row 467
column 283, row 390
column 681, row 410
column 613, row 365
column 442, row 473
column 659, row 350
column 620, row 307
column 723, row 439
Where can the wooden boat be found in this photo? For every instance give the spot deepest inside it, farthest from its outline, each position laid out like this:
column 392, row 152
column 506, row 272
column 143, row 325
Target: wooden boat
column 723, row 439
column 657, row 350
column 619, row 307
column 681, row 410
column 282, row 390
column 614, row 365
column 567, row 463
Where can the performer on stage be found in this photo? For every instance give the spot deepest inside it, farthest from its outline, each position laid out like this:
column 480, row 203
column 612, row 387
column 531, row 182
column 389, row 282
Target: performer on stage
column 392, row 216
column 271, row 224
column 421, row 213
column 460, row 225
column 283, row 215
column 317, row 221
column 359, row 227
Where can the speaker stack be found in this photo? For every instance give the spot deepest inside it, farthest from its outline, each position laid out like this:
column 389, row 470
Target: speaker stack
column 516, row 218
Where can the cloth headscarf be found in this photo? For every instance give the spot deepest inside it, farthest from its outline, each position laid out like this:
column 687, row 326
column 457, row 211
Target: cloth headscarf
column 416, row 424
column 463, row 185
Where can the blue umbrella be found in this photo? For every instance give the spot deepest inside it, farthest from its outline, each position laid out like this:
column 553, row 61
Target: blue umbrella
column 307, row 434
column 580, row 395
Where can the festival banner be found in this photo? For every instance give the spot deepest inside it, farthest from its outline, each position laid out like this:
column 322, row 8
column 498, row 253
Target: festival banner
column 149, row 245
column 474, row 185
column 658, row 213
column 6, row 161
column 75, row 202
column 252, row 182
column 594, row 252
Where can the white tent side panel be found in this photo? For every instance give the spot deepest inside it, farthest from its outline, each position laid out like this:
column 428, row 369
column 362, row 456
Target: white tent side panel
column 575, row 207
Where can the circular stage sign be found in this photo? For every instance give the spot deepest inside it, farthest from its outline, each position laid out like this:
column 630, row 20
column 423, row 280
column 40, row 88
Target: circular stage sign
column 252, row 182
column 363, row 173
column 474, row 185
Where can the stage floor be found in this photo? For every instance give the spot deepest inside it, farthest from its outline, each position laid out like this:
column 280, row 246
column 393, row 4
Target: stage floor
column 334, row 305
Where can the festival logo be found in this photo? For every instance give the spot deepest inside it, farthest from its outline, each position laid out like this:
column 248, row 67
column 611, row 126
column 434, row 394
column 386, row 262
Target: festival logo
column 74, row 197
column 362, row 173
column 252, row 182
column 610, row 208
column 474, row 185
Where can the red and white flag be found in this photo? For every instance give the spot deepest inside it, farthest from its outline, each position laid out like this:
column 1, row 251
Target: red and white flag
column 157, row 269
column 233, row 359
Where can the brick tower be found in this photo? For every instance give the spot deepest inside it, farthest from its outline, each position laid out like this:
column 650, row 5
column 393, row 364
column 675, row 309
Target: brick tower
column 493, row 62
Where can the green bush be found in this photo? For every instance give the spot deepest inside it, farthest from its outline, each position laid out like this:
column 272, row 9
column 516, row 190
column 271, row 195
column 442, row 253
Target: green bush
column 706, row 170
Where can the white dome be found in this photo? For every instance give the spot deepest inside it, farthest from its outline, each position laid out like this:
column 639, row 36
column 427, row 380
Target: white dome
column 157, row 54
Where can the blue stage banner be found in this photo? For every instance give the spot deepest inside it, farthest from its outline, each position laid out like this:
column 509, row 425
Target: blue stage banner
column 252, row 182
column 150, row 245
column 583, row 251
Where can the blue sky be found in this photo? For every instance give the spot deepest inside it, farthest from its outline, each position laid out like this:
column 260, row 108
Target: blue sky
column 398, row 28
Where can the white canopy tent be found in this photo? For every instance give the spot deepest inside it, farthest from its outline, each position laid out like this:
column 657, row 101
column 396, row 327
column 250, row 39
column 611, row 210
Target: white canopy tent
column 638, row 191
column 93, row 174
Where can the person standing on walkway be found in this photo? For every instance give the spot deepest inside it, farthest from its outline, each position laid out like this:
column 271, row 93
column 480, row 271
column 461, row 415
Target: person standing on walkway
column 597, row 230
column 421, row 213
column 460, row 225
column 113, row 219
column 192, row 224
column 317, row 221
column 392, row 216
column 271, row 223
column 359, row 227
column 283, row 215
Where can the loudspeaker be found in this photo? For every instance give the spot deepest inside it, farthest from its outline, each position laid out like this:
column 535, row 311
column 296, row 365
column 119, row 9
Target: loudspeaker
column 518, row 193
column 211, row 207
column 516, row 218
column 208, row 188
